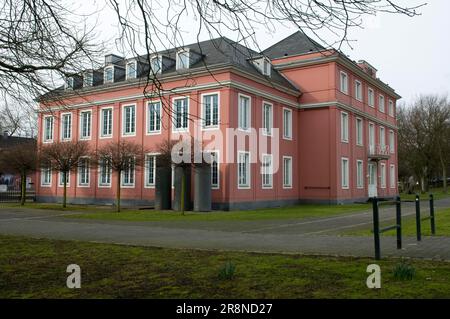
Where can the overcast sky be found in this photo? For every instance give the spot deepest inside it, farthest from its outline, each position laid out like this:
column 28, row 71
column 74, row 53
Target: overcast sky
column 409, row 53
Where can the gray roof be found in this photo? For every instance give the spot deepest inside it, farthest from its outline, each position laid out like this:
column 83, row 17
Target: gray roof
column 296, row 43
column 10, row 141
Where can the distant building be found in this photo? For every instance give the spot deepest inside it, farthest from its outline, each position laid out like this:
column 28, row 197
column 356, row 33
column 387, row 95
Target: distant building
column 337, row 132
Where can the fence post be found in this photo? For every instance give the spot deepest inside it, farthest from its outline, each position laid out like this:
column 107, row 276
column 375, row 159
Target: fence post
column 399, row 221
column 376, row 228
column 433, row 225
column 419, row 235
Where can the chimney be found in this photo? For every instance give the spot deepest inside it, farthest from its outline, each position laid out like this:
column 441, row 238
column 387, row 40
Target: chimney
column 368, row 68
column 5, row 134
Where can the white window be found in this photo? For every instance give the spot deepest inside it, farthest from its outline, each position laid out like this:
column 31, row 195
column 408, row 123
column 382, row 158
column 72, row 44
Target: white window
column 243, row 170
column 381, row 103
column 127, row 177
column 267, row 118
column 383, row 175
column 267, row 171
column 129, row 120
column 131, row 70
column 69, row 83
column 266, row 65
column 109, row 74
column 154, row 117
column 210, row 110
column 106, row 122
column 359, row 131
column 48, row 128
column 61, row 179
column 344, row 173
column 344, row 82
column 392, row 176
column 344, row 127
column 359, row 174
column 358, row 90
column 391, row 108
column 66, row 126
column 391, row 141
column 371, row 135
column 181, row 110
column 150, row 170
column 182, row 61
column 382, row 138
column 287, row 123
column 244, row 112
column 83, row 172
column 105, row 172
column 287, row 172
column 371, row 97
column 88, row 79
column 215, row 174
column 155, row 64
column 46, row 176
column 85, row 124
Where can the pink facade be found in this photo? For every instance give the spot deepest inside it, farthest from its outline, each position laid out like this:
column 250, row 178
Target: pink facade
column 317, row 149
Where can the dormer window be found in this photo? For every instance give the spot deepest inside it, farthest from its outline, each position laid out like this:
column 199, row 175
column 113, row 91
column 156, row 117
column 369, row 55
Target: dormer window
column 156, row 64
column 266, row 67
column 69, row 83
column 88, row 79
column 183, row 59
column 109, row 74
column 131, row 70
column 263, row 64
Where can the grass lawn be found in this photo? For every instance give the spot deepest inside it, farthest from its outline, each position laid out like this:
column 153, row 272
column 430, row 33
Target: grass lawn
column 57, row 207
column 437, row 194
column 409, row 226
column 294, row 212
column 36, row 268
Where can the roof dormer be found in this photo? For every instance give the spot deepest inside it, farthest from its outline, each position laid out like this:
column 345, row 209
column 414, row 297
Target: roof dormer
column 183, row 59
column 131, row 70
column 263, row 64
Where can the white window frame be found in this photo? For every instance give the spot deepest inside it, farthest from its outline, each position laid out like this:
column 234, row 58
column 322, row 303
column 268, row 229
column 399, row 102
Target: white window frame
column 391, row 141
column 345, row 176
column 267, row 131
column 371, row 97
column 358, row 93
column 344, row 127
column 392, row 176
column 269, row 171
column 128, row 134
column 100, row 184
column 217, row 156
column 178, row 59
column 373, row 135
column 181, row 129
column 203, row 111
column 147, row 170
column 101, row 122
column 360, row 174
column 134, row 62
column 160, row 62
column 84, row 185
column 122, row 173
column 249, row 113
column 60, row 182
column 148, row 131
column 382, row 175
column 85, row 138
column 104, row 74
column 266, row 67
column 289, row 124
column 343, row 82
column 52, row 128
column 49, row 171
column 248, row 172
column 85, row 78
column 62, row 127
column 381, row 105
column 290, row 176
column 359, row 131
column 382, row 136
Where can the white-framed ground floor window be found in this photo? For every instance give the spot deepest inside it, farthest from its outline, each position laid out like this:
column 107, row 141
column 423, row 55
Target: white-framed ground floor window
column 105, row 173
column 128, row 174
column 243, row 169
column 61, row 179
column 359, row 174
column 150, row 170
column 392, row 176
column 83, row 172
column 344, row 173
column 267, row 171
column 287, row 171
column 46, row 176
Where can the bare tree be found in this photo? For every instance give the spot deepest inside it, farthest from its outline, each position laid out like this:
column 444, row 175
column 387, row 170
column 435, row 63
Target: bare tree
column 64, row 157
column 20, row 159
column 120, row 157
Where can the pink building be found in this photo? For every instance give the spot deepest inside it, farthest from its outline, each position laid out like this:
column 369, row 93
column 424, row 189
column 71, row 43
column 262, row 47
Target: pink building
column 330, row 123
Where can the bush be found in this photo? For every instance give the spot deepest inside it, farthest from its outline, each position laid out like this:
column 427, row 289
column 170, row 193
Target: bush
column 227, row 271
column 404, row 271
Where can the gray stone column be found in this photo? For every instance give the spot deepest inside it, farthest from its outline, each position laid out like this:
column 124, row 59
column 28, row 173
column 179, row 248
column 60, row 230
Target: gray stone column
column 163, row 187
column 187, row 192
column 202, row 188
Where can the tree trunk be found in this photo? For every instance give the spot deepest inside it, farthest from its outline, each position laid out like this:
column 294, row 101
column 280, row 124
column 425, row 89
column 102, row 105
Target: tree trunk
column 422, row 184
column 118, row 191
column 23, row 191
column 65, row 189
column 183, row 190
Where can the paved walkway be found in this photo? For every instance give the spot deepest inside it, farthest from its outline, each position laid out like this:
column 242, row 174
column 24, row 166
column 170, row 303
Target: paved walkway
column 305, row 236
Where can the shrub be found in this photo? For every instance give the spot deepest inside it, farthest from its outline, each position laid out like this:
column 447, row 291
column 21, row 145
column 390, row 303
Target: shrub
column 227, row 271
column 404, row 271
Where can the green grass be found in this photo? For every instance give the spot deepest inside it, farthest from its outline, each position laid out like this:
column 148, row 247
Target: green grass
column 437, row 194
column 57, row 207
column 409, row 226
column 294, row 212
column 36, row 268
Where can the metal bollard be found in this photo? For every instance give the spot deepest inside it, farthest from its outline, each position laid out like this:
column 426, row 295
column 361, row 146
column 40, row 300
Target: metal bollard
column 419, row 235
column 399, row 221
column 433, row 225
column 376, row 228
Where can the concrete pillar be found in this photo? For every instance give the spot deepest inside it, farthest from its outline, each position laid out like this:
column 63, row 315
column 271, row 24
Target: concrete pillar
column 163, row 187
column 202, row 188
column 187, row 194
